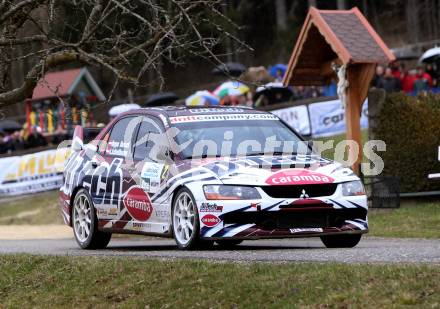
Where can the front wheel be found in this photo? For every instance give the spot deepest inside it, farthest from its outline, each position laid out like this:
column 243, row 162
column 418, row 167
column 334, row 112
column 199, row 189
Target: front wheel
column 185, row 217
column 341, row 241
column 85, row 223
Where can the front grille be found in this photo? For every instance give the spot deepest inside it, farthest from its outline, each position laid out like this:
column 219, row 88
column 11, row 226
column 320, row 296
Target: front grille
column 296, row 190
column 317, row 218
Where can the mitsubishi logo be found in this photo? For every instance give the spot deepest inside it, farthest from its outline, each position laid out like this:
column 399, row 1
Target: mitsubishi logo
column 304, row 194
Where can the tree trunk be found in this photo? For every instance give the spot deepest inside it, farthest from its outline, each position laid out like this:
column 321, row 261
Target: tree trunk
column 280, row 8
column 341, row 5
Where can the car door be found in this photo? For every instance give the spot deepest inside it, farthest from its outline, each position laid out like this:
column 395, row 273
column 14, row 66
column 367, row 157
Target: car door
column 108, row 182
column 151, row 170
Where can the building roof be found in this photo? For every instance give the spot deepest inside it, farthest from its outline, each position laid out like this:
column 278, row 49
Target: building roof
column 63, row 83
column 329, row 35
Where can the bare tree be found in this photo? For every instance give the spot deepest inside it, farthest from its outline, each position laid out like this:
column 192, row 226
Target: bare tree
column 129, row 38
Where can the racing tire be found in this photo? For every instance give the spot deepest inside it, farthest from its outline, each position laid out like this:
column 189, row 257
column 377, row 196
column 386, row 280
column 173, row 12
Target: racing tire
column 85, row 223
column 228, row 243
column 341, row 241
column 185, row 222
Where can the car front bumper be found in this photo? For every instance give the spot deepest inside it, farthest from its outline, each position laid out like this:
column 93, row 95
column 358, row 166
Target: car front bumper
column 282, row 219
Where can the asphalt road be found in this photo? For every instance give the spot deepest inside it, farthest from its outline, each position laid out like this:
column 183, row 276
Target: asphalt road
column 370, row 249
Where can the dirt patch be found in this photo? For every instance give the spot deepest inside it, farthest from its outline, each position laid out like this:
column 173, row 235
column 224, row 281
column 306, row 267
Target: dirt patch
column 35, row 232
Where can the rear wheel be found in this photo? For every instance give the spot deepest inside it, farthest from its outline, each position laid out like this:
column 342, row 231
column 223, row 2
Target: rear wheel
column 186, row 226
column 341, row 241
column 85, row 223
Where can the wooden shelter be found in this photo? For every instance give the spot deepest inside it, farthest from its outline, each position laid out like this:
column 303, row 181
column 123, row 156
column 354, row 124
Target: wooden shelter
column 76, row 88
column 339, row 38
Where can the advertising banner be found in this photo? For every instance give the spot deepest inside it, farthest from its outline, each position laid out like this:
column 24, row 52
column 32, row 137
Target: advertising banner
column 32, row 173
column 296, row 117
column 328, row 118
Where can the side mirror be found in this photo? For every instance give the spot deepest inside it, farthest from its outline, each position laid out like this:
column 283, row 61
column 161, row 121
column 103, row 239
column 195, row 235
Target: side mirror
column 77, row 145
column 78, row 137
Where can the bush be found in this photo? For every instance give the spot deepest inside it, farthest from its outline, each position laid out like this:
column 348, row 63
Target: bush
column 410, row 127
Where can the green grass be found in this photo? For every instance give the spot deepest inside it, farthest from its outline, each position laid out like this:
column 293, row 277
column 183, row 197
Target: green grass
column 31, row 281
column 330, row 153
column 34, row 209
column 420, row 220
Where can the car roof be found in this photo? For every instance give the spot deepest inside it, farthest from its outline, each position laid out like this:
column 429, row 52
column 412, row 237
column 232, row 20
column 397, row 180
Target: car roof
column 174, row 111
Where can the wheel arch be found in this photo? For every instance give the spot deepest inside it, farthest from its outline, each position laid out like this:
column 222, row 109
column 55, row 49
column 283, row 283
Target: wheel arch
column 72, row 198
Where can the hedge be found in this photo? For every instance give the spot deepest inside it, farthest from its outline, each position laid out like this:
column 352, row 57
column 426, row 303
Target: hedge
column 410, row 127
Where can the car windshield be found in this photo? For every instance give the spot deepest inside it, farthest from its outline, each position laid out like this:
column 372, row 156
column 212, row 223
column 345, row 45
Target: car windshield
column 203, row 137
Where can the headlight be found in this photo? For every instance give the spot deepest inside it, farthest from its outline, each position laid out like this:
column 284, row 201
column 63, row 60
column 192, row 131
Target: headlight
column 353, row 188
column 221, row 192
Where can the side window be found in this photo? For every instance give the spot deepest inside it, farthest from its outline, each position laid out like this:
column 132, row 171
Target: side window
column 121, row 137
column 143, row 143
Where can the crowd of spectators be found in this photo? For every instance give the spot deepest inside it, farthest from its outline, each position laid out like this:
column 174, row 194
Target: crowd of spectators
column 20, row 140
column 396, row 78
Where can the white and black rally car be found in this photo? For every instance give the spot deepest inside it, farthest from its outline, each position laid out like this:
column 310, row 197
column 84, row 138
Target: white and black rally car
column 206, row 175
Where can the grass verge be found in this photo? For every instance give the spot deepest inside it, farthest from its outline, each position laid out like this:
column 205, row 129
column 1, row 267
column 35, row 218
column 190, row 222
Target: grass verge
column 32, row 281
column 421, row 220
column 34, row 209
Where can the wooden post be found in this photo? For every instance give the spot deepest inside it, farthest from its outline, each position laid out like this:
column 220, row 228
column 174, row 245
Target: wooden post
column 359, row 78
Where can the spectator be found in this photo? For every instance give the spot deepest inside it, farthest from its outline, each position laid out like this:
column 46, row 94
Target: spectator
column 388, row 82
column 432, row 71
column 397, row 69
column 378, row 76
column 407, row 80
column 330, row 90
column 423, row 81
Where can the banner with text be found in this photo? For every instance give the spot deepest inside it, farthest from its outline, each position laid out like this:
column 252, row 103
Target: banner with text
column 328, row 118
column 296, row 117
column 37, row 172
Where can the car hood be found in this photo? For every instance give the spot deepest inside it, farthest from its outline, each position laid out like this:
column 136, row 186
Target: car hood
column 274, row 170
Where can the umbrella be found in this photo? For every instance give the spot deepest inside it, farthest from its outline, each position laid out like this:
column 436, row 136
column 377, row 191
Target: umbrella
column 274, row 92
column 202, row 98
column 161, row 98
column 278, row 67
column 229, row 69
column 231, row 88
column 10, row 125
column 404, row 53
column 122, row 108
column 430, row 55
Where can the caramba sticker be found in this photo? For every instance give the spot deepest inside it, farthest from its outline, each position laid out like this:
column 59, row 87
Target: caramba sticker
column 138, row 204
column 298, row 177
column 151, row 176
column 210, row 220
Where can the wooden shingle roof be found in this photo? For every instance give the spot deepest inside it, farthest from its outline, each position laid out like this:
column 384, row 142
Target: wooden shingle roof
column 333, row 36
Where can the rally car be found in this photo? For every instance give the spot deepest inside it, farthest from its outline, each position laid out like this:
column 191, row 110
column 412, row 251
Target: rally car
column 205, row 175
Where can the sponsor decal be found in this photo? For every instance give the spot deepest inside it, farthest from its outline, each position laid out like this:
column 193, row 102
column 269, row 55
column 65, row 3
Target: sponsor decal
column 298, row 177
column 151, row 176
column 210, row 207
column 210, row 220
column 117, row 148
column 164, row 173
column 140, row 226
column 101, row 212
column 138, row 204
column 216, row 110
column 112, row 211
column 256, row 205
column 162, row 213
column 306, row 230
column 219, row 117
